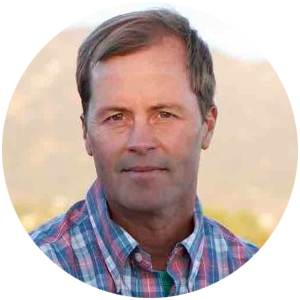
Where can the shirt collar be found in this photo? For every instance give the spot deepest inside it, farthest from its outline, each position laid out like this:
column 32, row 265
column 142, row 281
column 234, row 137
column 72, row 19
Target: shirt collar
column 194, row 242
column 115, row 242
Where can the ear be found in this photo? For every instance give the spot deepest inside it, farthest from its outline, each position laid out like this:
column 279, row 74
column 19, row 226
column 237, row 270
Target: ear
column 86, row 136
column 209, row 125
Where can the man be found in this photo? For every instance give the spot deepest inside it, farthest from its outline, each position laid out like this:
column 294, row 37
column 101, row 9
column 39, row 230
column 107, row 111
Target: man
column 147, row 85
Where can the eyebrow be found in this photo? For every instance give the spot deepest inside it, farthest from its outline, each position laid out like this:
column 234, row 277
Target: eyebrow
column 157, row 106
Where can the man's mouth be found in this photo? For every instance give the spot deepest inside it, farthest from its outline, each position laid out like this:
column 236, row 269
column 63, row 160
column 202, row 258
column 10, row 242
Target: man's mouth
column 142, row 174
column 143, row 169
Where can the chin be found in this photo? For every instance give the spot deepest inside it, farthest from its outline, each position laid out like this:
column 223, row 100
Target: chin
column 143, row 204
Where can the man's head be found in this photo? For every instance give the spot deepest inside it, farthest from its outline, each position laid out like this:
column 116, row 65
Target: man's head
column 147, row 85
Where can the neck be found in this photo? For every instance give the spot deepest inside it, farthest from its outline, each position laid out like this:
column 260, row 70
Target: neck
column 157, row 233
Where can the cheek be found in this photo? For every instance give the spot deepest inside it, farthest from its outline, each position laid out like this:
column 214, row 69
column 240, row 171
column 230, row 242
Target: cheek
column 106, row 150
column 183, row 143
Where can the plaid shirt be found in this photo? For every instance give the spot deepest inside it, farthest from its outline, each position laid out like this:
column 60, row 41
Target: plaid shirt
column 87, row 244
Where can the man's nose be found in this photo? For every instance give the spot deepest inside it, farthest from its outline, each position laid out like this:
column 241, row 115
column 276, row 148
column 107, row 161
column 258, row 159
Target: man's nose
column 142, row 138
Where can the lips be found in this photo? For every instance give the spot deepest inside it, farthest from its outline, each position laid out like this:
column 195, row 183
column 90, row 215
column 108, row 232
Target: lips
column 144, row 169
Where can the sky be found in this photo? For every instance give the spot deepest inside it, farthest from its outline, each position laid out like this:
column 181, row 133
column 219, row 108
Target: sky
column 246, row 31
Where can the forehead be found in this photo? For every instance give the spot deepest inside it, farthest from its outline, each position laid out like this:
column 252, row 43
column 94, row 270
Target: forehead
column 157, row 70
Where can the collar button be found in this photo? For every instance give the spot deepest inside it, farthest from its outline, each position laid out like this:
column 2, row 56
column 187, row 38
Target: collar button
column 138, row 257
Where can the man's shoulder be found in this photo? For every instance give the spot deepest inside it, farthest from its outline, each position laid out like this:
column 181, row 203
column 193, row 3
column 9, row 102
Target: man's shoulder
column 227, row 239
column 242, row 256
column 59, row 227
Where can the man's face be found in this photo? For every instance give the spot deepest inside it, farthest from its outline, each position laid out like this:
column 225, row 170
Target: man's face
column 144, row 128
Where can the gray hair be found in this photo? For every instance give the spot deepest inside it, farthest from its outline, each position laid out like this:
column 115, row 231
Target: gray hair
column 133, row 31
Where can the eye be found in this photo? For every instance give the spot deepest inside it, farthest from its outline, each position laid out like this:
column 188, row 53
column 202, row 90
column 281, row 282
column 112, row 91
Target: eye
column 165, row 114
column 116, row 117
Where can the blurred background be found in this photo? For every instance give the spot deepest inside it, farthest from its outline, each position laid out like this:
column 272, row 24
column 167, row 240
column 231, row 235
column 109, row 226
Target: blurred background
column 245, row 177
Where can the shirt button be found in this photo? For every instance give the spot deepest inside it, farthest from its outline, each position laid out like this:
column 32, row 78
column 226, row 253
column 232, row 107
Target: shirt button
column 138, row 257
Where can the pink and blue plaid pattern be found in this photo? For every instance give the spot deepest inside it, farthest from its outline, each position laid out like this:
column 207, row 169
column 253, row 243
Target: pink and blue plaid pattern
column 87, row 244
